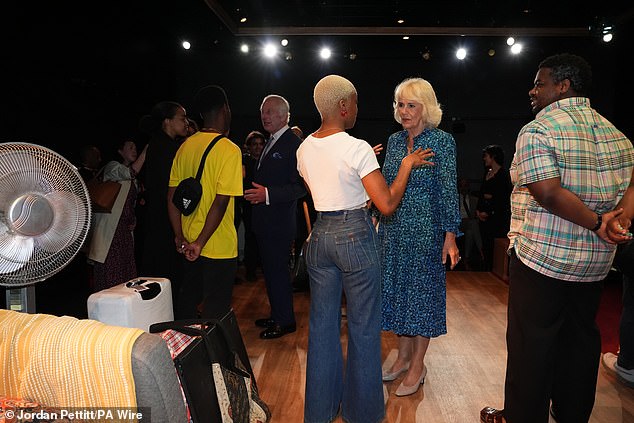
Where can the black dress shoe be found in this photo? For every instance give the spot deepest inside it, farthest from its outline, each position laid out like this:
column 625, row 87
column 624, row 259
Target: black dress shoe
column 276, row 331
column 265, row 323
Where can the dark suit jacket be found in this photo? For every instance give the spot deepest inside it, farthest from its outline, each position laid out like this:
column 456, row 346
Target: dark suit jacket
column 278, row 172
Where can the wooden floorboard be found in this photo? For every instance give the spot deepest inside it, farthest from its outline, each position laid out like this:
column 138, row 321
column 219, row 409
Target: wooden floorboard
column 465, row 367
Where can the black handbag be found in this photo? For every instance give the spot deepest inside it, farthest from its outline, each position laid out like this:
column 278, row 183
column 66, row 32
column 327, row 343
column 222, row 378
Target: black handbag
column 299, row 273
column 188, row 192
column 217, row 342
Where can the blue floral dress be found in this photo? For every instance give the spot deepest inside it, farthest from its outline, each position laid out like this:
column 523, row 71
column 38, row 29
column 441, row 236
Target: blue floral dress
column 413, row 282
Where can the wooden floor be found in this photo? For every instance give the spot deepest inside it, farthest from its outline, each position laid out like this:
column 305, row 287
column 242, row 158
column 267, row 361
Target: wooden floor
column 466, row 366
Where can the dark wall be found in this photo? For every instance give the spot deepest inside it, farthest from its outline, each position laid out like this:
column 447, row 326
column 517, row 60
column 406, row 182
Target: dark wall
column 89, row 79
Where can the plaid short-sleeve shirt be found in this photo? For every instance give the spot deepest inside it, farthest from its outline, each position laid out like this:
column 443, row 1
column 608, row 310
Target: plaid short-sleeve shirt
column 567, row 140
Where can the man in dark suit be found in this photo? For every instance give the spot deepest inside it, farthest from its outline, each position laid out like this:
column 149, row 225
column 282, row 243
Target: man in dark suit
column 276, row 188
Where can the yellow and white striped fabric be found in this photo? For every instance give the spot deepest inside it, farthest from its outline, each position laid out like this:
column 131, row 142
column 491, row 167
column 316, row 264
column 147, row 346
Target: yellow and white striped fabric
column 66, row 362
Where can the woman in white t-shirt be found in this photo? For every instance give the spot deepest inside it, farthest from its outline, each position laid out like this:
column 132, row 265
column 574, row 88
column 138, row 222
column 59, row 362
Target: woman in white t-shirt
column 342, row 174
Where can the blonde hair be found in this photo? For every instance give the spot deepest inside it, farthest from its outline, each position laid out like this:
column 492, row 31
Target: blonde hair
column 422, row 92
column 329, row 91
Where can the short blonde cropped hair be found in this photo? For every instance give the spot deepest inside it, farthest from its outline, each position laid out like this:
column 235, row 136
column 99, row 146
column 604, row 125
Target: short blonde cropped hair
column 329, row 91
column 422, row 92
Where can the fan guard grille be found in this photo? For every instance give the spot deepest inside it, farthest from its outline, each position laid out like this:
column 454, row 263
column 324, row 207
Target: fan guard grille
column 44, row 213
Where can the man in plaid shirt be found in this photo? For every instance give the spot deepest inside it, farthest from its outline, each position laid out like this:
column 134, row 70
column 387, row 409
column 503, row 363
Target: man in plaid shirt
column 570, row 169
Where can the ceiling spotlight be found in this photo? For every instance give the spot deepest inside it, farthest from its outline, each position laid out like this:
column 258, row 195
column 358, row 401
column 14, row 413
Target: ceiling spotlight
column 270, row 50
column 352, row 56
column 288, row 55
column 426, row 55
column 607, row 33
column 400, row 21
column 244, row 48
column 325, row 53
column 243, row 20
column 516, row 48
column 510, row 41
column 186, row 45
column 406, row 37
column 491, row 52
column 284, row 42
column 461, row 53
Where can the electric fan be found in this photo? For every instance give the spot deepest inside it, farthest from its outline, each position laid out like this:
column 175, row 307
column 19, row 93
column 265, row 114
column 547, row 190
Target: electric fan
column 44, row 218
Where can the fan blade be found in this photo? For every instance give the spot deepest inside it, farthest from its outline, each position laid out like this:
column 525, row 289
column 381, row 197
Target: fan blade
column 69, row 213
column 15, row 250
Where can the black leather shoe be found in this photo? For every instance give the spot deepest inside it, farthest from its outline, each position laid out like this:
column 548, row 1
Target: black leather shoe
column 265, row 323
column 276, row 331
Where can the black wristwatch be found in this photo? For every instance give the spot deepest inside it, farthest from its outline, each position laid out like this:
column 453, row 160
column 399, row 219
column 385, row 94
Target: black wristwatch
column 599, row 222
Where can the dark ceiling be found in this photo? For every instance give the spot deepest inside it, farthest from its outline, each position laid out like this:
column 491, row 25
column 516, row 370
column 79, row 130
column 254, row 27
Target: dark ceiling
column 76, row 69
column 440, row 17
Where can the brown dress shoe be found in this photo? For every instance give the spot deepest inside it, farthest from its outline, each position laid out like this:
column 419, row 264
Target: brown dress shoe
column 492, row 415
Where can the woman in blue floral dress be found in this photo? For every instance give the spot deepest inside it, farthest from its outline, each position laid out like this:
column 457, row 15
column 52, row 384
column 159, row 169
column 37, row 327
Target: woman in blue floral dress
column 419, row 237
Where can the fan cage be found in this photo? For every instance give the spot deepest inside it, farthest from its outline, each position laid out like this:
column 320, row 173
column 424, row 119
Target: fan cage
column 29, row 169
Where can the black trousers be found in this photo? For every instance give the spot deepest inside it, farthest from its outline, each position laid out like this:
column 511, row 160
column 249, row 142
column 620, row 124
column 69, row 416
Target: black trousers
column 275, row 251
column 554, row 347
column 209, row 281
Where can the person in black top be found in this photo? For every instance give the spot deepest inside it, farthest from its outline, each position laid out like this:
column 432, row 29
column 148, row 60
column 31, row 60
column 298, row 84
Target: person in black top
column 254, row 145
column 494, row 203
column 166, row 125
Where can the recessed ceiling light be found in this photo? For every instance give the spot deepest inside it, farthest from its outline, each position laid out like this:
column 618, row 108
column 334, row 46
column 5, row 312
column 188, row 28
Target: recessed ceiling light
column 243, row 20
column 400, row 21
column 406, row 37
column 270, row 50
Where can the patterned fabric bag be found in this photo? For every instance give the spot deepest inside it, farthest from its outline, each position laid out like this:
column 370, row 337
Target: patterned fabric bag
column 214, row 370
column 238, row 397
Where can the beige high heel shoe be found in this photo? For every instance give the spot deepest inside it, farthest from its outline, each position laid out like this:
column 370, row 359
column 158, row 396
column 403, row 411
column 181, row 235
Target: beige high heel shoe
column 403, row 390
column 388, row 377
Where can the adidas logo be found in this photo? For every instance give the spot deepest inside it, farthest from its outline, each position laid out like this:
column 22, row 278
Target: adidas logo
column 186, row 203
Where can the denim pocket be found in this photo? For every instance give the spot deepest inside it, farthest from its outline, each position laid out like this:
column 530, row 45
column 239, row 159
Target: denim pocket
column 356, row 249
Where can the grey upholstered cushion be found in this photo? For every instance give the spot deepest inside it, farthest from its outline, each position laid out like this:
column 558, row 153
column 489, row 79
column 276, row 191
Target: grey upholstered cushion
column 156, row 381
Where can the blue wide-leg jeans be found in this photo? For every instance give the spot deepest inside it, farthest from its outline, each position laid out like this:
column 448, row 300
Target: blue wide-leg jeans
column 342, row 256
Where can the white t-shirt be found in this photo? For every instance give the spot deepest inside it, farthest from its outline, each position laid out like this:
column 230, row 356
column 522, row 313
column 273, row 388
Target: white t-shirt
column 333, row 168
